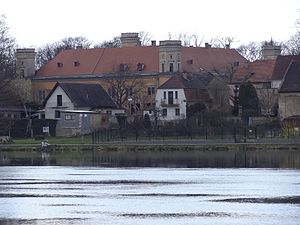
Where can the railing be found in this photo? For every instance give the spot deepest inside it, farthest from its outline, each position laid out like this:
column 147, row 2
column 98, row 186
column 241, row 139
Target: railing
column 166, row 102
column 228, row 134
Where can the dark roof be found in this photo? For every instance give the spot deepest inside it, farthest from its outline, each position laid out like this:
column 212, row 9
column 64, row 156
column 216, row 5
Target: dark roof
column 86, row 95
column 195, row 81
column 195, row 86
column 281, row 65
column 291, row 81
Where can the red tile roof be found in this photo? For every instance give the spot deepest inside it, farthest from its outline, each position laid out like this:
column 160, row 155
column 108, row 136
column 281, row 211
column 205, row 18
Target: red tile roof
column 282, row 64
column 257, row 71
column 209, row 59
column 100, row 61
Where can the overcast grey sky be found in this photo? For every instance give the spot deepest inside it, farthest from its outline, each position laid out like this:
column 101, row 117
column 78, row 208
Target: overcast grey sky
column 37, row 22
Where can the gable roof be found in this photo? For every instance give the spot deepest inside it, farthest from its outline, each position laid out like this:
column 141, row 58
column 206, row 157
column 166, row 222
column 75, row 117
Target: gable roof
column 195, row 81
column 282, row 64
column 257, row 71
column 97, row 61
column 194, row 86
column 85, row 95
column 291, row 81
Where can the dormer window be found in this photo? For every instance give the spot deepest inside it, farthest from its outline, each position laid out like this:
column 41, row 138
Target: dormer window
column 60, row 64
column 140, row 66
column 76, row 63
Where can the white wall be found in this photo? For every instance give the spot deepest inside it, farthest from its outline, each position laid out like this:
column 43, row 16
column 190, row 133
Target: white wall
column 51, row 104
column 276, row 84
column 161, row 103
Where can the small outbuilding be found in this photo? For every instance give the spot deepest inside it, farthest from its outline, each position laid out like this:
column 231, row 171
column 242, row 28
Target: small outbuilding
column 80, row 108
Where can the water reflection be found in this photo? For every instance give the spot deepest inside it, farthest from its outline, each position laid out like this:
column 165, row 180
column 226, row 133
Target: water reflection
column 120, row 196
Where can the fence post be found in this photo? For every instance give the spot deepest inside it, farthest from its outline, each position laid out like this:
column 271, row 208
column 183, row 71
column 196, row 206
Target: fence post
column 255, row 130
column 222, row 132
column 234, row 134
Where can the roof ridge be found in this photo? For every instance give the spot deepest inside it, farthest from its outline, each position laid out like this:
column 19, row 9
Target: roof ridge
column 98, row 61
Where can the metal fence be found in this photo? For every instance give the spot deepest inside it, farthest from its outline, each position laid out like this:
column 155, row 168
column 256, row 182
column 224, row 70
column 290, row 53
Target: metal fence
column 234, row 133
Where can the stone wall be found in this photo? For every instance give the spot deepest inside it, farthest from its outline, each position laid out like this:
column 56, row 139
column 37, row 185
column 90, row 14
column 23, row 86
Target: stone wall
column 289, row 104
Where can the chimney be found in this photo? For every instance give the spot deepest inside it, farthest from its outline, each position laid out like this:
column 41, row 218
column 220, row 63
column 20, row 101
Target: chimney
column 130, row 40
column 207, row 45
column 153, row 43
column 270, row 50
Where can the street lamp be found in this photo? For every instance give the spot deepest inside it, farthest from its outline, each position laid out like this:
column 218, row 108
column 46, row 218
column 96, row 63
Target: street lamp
column 129, row 100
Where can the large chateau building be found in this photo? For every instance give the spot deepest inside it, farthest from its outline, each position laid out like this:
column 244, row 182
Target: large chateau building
column 150, row 65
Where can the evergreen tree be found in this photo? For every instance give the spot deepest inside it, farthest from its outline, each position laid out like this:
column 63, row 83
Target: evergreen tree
column 248, row 100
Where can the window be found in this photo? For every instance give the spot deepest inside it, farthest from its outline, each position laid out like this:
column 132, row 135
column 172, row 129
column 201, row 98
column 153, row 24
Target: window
column 22, row 73
column 76, row 63
column 59, row 100
column 69, row 117
column 171, row 67
column 165, row 95
column 171, row 56
column 57, row 114
column 176, row 94
column 177, row 111
column 60, row 64
column 162, row 67
column 42, row 95
column 164, row 112
column 151, row 90
column 178, row 67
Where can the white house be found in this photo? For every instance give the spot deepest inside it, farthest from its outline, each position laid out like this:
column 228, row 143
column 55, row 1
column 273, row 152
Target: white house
column 80, row 108
column 176, row 94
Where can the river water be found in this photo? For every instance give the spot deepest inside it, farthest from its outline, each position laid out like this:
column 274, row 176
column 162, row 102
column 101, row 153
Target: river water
column 144, row 196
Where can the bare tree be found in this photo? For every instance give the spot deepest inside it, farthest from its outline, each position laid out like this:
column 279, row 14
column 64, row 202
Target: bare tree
column 125, row 89
column 251, row 51
column 222, row 42
column 49, row 51
column 145, row 38
column 292, row 46
column 187, row 39
column 267, row 101
column 7, row 54
column 114, row 43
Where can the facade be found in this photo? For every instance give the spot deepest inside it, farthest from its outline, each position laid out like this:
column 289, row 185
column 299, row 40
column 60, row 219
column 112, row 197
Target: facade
column 289, row 92
column 175, row 96
column 79, row 108
column 281, row 65
column 150, row 65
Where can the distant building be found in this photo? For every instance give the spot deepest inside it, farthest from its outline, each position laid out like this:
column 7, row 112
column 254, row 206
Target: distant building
column 80, row 108
column 180, row 92
column 153, row 65
column 289, row 92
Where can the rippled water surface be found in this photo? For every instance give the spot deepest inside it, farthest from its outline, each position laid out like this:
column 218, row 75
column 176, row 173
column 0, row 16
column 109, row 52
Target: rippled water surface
column 121, row 196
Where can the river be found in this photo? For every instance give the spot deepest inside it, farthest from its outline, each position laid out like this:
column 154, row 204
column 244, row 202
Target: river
column 144, row 196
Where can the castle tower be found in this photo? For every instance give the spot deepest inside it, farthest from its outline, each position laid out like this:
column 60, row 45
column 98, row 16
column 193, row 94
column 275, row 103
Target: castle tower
column 270, row 50
column 130, row 40
column 25, row 69
column 170, row 56
column 25, row 62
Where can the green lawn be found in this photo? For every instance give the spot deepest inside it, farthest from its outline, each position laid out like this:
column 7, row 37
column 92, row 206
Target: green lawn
column 86, row 139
